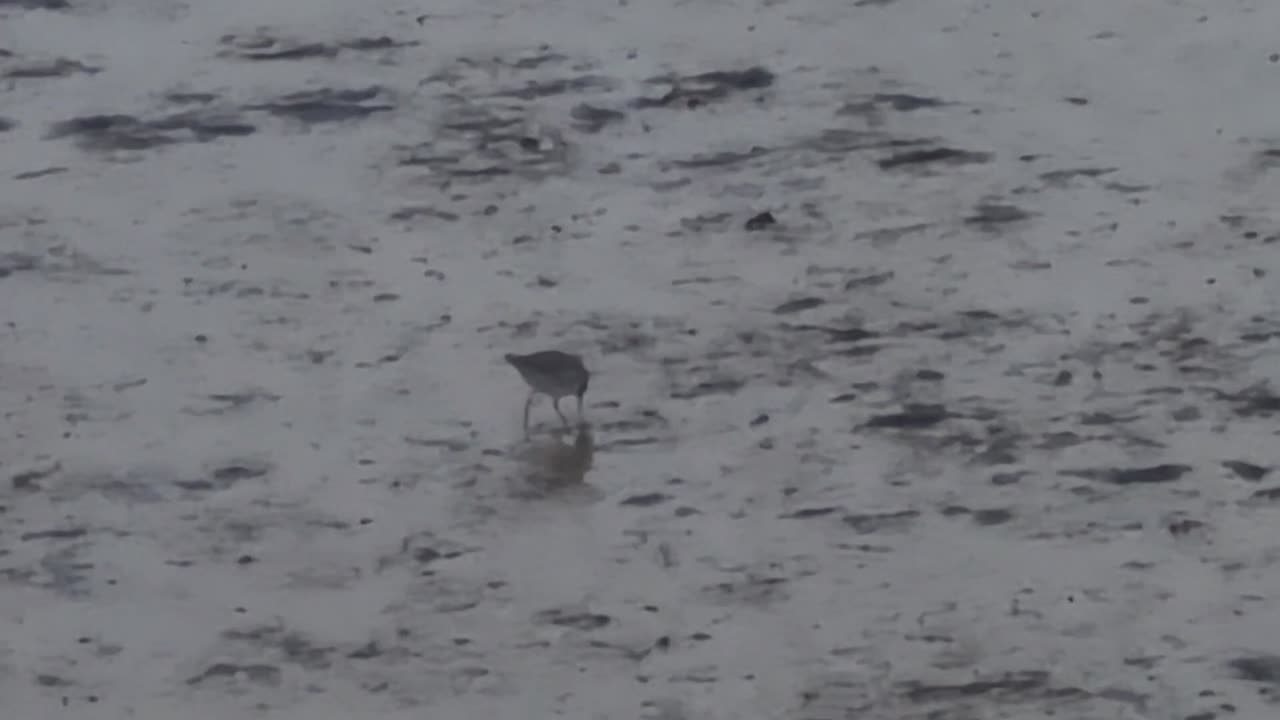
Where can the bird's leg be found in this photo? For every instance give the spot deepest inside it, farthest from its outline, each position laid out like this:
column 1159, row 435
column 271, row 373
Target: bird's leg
column 565, row 420
column 580, row 409
column 527, row 404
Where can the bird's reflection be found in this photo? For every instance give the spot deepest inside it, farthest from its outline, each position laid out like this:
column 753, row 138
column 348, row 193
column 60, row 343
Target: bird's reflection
column 553, row 465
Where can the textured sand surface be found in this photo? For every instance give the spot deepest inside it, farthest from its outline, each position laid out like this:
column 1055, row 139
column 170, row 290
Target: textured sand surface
column 934, row 349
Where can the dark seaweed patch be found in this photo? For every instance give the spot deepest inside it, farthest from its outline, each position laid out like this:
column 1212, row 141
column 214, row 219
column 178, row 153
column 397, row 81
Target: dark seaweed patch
column 868, row 523
column 1060, row 178
column 725, row 386
column 719, row 159
column 326, row 105
column 535, row 90
column 934, row 156
column 257, row 673
column 836, row 334
column 267, row 48
column 67, row 534
column 988, row 215
column 190, row 98
column 1254, row 402
column 844, row 140
column 35, row 4
column 760, row 221
column 1257, row 668
column 810, row 512
column 107, row 133
column 912, row 417
column 1245, row 470
column 62, row 67
column 869, row 281
column 204, row 129
column 903, row 102
column 564, row 617
column 592, row 119
column 110, row 132
column 798, row 305
column 1153, row 474
column 1012, row 687
column 645, row 499
column 693, row 91
column 476, row 142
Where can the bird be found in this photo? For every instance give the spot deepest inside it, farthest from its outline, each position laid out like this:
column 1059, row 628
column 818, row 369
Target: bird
column 554, row 374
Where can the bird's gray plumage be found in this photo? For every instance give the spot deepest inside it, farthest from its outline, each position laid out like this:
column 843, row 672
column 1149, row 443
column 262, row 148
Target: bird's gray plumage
column 552, row 373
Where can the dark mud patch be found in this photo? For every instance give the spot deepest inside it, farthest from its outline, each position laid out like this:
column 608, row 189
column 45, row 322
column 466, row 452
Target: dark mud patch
column 570, row 618
column 645, row 500
column 178, row 97
column 264, row 47
column 478, row 143
column 423, row 550
column 904, row 102
column 833, row 335
column 62, row 571
column 912, row 417
column 982, row 517
column 6, row 124
column 1016, row 687
column 1246, row 471
column 1267, row 159
column 869, row 523
column 538, row 89
column 591, row 119
column 30, row 479
column 116, row 133
column 224, row 403
column 59, row 263
column 415, row 212
column 726, row 158
column 842, row 141
column 291, row 646
column 756, row 589
column 255, row 673
column 760, row 221
column 883, row 237
column 35, row 4
column 1063, row 178
column 1000, row 446
column 717, row 386
column 707, row 222
column 1266, row 495
column 226, row 476
column 872, row 107
column 61, row 67
column 798, row 305
column 59, row 534
column 810, row 512
column 1151, row 475
column 327, row 105
column 1256, row 401
column 990, row 216
column 927, row 157
column 690, row 92
column 1257, row 668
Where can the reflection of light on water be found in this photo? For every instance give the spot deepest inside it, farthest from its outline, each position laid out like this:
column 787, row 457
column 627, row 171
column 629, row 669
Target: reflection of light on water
column 555, row 465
